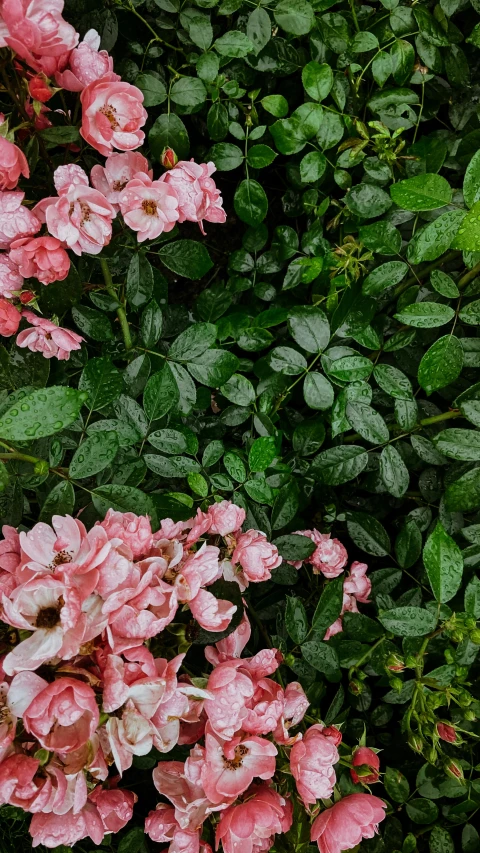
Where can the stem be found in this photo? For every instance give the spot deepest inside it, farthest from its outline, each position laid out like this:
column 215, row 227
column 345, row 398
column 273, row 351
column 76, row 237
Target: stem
column 445, row 416
column 21, row 109
column 23, row 457
column 354, row 15
column 468, row 277
column 122, row 317
column 414, row 279
column 131, row 8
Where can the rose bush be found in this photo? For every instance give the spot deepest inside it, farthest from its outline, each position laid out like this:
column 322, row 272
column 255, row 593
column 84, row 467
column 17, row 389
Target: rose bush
column 239, row 292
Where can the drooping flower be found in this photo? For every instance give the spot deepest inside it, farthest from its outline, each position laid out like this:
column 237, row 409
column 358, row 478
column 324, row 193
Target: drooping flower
column 343, row 826
column 148, row 207
column 85, row 64
column 198, row 197
column 112, row 178
column 112, row 116
column 16, row 220
column 365, row 756
column 357, row 583
column 13, row 163
column 329, row 557
column 312, row 760
column 47, row 338
column 41, row 257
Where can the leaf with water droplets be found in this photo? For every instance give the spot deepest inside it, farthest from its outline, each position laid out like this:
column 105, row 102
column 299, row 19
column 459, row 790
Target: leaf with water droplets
column 94, row 454
column 41, row 413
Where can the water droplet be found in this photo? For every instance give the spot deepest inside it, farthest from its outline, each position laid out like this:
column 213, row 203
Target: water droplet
column 58, row 425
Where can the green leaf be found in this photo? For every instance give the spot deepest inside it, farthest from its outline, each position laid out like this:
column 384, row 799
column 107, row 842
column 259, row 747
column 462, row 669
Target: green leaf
column 471, row 181
column 472, row 598
column 408, row 621
column 312, row 167
column 287, row 361
column 235, row 44
column 171, row 466
column 294, row 546
column 169, row 131
column 408, row 544
column 207, row 67
column 160, row 395
column 262, row 453
column 296, row 621
column 41, row 413
column 285, row 505
column 259, row 28
column 421, row 810
column 60, row 135
column 461, row 444
column 368, row 534
column 60, row 501
column 329, row 606
column 322, row 657
column 368, row 423
column 433, row 240
column 139, row 281
column 444, row 284
column 193, row 342
column 381, row 237
column 425, row 315
column 317, row 80
column 102, row 382
column 151, row 323
column 470, row 313
column 226, row 156
column 201, row 32
column 214, row 368
column 393, row 471
column 187, row 258
column 92, row 323
column 123, row 499
column 235, row 466
column 338, row 465
column 188, row 92
column 260, row 156
column 212, row 453
column 276, row 105
column 468, row 234
column 386, row 275
column 317, row 391
column 444, row 564
column 154, row 90
column 396, row 785
column 403, row 60
column 169, row 441
column 309, row 327
column 441, row 841
column 368, row 201
column 297, row 19
column 441, row 364
column 393, row 381
column 362, row 42
column 239, row 390
column 250, row 202
column 94, row 454
column 351, row 368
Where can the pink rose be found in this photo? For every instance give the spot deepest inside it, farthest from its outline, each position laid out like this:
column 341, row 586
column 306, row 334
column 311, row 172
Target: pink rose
column 112, row 115
column 330, row 556
column 81, row 217
column 198, row 197
column 134, row 530
column 115, row 807
column 9, row 549
column 231, row 766
column 39, row 88
column 265, row 708
column 13, row 163
column 53, row 830
column 63, row 716
column 294, row 709
column 148, row 207
column 112, row 178
column 357, row 583
column 213, row 614
column 343, row 826
column 230, row 690
column 41, row 257
column 37, row 31
column 85, row 64
column 47, row 338
column 16, row 220
column 446, row 732
column 311, row 763
column 256, row 555
column 11, row 280
column 232, row 646
column 9, row 318
column 226, row 517
column 161, row 824
column 16, row 775
column 365, row 756
column 250, row 827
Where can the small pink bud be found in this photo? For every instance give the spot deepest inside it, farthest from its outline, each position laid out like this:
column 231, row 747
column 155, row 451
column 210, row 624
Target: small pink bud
column 446, row 732
column 168, row 159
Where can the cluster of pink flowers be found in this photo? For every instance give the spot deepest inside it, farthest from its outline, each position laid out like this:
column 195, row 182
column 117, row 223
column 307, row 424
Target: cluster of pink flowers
column 91, row 695
column 80, row 217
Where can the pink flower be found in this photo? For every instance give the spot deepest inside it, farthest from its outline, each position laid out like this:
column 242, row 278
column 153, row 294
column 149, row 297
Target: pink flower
column 232, row 646
column 37, row 31
column 47, row 338
column 226, row 517
column 9, row 549
column 141, row 611
column 119, row 169
column 115, row 807
column 445, row 731
column 345, row 824
column 53, row 830
column 41, row 257
column 81, row 217
column 250, row 826
column 13, row 163
column 335, row 628
column 198, row 197
column 11, row 280
column 357, row 583
column 365, row 756
column 311, row 763
column 85, row 65
column 199, row 569
column 134, row 530
column 39, row 88
column 16, row 775
column 161, row 826
column 230, row 767
column 136, row 681
column 294, row 709
column 265, row 708
column 148, row 207
column 182, row 785
column 112, row 116
column 9, row 318
column 129, row 735
column 256, row 556
column 16, row 220
column 213, row 614
column 63, row 716
column 329, row 557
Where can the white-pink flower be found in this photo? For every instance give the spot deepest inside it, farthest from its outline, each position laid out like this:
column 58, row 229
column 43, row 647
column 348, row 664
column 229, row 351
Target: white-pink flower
column 312, row 760
column 36, row 31
column 148, row 207
column 198, row 197
column 47, row 338
column 11, row 279
column 41, row 257
column 16, row 220
column 112, row 116
column 231, row 766
column 85, row 64
column 226, row 517
column 256, row 556
column 250, row 827
column 135, row 531
column 357, row 583
column 112, row 178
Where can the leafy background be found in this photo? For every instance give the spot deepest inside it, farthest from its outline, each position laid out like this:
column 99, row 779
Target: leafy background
column 315, row 359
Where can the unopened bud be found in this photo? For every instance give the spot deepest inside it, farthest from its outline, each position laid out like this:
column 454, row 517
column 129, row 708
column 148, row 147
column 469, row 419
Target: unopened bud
column 395, row 663
column 416, row 742
column 461, row 671
column 410, row 661
column 26, row 296
column 396, row 684
column 475, row 636
column 454, row 769
column 43, row 756
column 356, row 687
column 168, row 159
column 464, row 699
column 446, row 732
column 457, row 636
column 449, row 655
column 290, row 660
column 431, row 755
column 470, row 623
column 41, row 467
column 469, row 715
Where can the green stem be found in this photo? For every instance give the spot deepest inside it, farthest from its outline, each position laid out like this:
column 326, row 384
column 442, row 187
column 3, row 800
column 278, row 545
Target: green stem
column 122, row 317
column 469, row 276
column 23, row 457
column 354, row 15
column 131, row 8
column 445, row 416
column 423, row 273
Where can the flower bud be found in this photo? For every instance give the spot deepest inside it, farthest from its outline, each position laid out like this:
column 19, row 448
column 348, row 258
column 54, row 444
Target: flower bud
column 416, row 742
column 168, row 159
column 446, row 732
column 457, row 636
column 41, row 467
column 39, row 89
column 470, row 623
column 464, row 699
column 396, row 684
column 290, row 660
column 410, row 661
column 449, row 655
column 43, row 756
column 26, row 296
column 366, row 764
column 461, row 671
column 470, row 716
column 356, row 687
column 454, row 769
column 475, row 636
column 431, row 755
column 395, row 663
